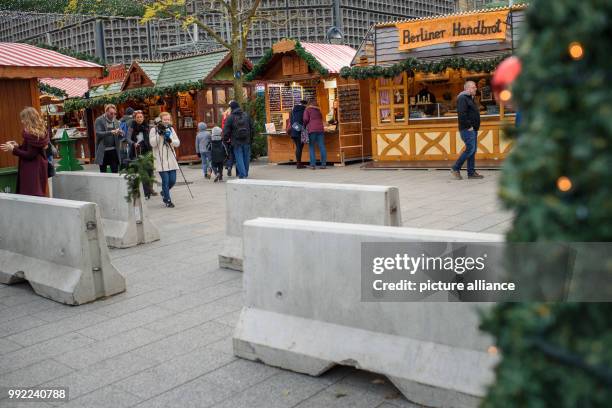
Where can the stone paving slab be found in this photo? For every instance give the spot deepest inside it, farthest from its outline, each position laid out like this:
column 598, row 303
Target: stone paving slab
column 166, row 341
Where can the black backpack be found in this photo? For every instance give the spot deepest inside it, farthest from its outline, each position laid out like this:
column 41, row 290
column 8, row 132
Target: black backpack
column 243, row 130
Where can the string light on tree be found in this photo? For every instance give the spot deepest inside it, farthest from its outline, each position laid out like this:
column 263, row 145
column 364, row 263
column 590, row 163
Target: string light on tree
column 505, row 95
column 576, row 50
column 564, row 184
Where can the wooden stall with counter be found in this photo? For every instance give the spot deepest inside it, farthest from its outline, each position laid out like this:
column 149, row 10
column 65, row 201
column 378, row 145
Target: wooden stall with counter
column 293, row 71
column 415, row 70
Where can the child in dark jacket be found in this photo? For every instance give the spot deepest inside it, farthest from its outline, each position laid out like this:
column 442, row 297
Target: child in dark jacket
column 218, row 153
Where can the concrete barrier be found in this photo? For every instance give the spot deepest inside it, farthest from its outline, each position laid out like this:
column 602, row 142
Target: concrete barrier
column 303, row 312
column 125, row 224
column 351, row 203
column 58, row 246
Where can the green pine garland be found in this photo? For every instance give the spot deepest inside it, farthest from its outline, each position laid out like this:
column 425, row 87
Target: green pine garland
column 138, row 172
column 52, row 90
column 259, row 68
column 312, row 62
column 132, row 94
column 414, row 65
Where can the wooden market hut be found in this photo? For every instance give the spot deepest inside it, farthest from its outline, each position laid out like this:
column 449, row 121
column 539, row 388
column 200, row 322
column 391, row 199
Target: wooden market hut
column 20, row 67
column 292, row 71
column 204, row 103
column 415, row 70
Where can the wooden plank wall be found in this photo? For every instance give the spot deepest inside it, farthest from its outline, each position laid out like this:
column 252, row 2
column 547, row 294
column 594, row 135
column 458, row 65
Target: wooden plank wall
column 16, row 95
column 387, row 43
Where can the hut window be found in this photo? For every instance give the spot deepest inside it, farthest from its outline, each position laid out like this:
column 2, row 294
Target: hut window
column 391, row 98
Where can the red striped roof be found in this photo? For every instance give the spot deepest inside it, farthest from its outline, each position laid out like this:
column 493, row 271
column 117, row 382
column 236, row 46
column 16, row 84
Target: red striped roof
column 74, row 87
column 26, row 55
column 331, row 56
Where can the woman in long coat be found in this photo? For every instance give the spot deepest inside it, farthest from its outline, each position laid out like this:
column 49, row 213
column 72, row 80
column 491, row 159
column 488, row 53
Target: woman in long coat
column 32, row 170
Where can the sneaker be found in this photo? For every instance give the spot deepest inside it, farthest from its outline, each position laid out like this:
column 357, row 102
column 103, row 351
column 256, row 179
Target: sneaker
column 301, row 166
column 456, row 175
column 475, row 176
column 169, row 204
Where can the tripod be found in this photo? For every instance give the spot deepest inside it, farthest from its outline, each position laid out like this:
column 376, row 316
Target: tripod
column 179, row 167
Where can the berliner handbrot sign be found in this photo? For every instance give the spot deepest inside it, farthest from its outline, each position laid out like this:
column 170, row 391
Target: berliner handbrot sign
column 474, row 27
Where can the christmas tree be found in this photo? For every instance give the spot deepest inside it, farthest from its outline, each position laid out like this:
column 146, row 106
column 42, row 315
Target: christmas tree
column 557, row 181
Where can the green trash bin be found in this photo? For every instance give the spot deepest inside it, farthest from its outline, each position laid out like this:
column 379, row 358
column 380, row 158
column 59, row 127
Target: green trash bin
column 8, row 180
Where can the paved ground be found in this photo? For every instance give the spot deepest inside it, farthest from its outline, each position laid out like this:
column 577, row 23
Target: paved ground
column 166, row 342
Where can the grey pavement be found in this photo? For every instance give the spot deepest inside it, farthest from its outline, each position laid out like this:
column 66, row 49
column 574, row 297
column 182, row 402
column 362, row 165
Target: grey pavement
column 166, row 341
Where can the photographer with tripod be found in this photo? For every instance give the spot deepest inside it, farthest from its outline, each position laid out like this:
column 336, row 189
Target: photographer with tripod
column 163, row 140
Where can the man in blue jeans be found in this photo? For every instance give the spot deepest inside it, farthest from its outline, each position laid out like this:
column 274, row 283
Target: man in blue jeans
column 468, row 116
column 239, row 130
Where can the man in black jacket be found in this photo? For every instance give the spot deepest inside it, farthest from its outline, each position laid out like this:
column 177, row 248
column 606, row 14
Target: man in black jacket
column 469, row 123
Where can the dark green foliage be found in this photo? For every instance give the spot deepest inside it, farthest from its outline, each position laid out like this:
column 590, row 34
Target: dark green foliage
column 97, row 7
column 138, row 172
column 559, row 355
column 256, row 108
column 414, row 65
column 52, row 90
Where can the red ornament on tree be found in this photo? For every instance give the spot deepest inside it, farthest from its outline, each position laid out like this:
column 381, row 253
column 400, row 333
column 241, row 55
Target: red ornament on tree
column 505, row 74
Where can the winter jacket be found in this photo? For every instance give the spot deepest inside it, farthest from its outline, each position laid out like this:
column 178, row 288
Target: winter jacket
column 202, row 142
column 468, row 114
column 132, row 138
column 230, row 129
column 32, row 170
column 103, row 129
column 297, row 116
column 163, row 153
column 313, row 119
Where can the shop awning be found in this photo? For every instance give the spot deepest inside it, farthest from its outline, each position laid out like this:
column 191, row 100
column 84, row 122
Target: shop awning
column 332, row 56
column 27, row 61
column 74, row 87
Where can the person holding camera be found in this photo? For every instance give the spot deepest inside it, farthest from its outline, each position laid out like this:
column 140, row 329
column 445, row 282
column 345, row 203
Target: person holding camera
column 108, row 140
column 163, row 139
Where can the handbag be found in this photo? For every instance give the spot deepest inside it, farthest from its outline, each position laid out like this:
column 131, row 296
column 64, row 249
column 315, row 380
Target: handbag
column 48, row 154
column 305, row 137
column 297, row 126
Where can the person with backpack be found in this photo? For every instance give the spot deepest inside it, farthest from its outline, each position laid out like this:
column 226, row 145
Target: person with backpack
column 202, row 145
column 218, row 153
column 313, row 121
column 296, row 123
column 239, row 129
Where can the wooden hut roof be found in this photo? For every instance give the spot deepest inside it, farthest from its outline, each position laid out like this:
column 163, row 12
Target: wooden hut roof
column 74, row 87
column 19, row 60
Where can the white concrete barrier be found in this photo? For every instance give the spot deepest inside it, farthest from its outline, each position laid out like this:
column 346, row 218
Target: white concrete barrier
column 125, row 224
column 58, row 246
column 303, row 312
column 351, row 203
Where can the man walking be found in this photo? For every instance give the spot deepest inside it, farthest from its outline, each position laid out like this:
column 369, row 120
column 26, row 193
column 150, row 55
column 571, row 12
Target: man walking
column 239, row 130
column 108, row 140
column 469, row 123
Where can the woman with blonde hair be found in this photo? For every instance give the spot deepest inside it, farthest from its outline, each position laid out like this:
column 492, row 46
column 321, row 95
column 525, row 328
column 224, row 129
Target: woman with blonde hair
column 163, row 140
column 32, row 170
